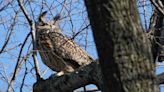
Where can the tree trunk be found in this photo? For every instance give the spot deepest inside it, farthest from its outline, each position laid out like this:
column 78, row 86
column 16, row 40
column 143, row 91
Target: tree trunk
column 124, row 51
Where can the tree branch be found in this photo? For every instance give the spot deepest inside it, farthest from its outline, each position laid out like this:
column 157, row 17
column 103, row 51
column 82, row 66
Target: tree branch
column 32, row 27
column 160, row 79
column 89, row 74
column 24, row 12
column 157, row 6
column 10, row 33
column 18, row 65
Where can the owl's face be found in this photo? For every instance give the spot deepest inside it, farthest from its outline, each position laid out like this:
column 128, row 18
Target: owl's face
column 50, row 26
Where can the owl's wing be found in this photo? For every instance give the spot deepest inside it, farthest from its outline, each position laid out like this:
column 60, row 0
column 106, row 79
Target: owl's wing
column 69, row 50
column 49, row 57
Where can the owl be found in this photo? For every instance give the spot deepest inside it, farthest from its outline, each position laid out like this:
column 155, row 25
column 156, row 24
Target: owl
column 57, row 51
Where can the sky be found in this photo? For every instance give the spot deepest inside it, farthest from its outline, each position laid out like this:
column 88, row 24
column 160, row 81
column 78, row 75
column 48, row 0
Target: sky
column 148, row 9
column 69, row 26
column 76, row 22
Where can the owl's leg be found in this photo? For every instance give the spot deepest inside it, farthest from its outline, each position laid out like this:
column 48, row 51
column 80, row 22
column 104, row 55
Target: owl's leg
column 67, row 69
column 60, row 73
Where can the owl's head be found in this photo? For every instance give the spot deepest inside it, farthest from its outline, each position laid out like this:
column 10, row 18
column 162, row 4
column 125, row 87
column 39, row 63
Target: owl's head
column 51, row 26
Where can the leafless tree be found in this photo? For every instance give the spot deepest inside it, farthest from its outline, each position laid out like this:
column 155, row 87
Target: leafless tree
column 21, row 66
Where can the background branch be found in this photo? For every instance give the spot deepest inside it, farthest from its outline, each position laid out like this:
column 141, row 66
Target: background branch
column 160, row 79
column 18, row 65
column 32, row 27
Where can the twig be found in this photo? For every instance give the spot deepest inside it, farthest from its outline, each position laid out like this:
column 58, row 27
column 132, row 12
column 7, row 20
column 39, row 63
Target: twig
column 32, row 27
column 44, row 72
column 23, row 80
column 17, row 64
column 5, row 6
column 64, row 6
column 10, row 33
column 24, row 12
column 3, row 74
column 9, row 49
column 80, row 31
column 157, row 7
column 31, row 10
column 160, row 79
column 6, row 42
column 144, row 10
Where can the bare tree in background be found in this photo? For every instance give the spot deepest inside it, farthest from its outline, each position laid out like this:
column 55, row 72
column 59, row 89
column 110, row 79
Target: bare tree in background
column 17, row 44
column 19, row 67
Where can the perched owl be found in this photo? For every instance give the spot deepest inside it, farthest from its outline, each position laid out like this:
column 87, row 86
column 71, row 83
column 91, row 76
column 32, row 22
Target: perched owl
column 58, row 52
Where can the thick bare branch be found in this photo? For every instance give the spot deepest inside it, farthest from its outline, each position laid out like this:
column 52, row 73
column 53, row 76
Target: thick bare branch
column 71, row 81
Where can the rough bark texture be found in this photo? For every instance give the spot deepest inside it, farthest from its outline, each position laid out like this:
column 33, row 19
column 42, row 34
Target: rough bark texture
column 125, row 54
column 90, row 74
column 159, row 36
column 124, row 51
column 70, row 81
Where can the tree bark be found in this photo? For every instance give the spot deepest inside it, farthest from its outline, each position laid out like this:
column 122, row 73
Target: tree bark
column 124, row 51
column 89, row 74
column 159, row 36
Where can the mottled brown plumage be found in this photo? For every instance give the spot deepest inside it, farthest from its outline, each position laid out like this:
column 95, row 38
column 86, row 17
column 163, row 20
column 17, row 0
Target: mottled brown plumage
column 57, row 51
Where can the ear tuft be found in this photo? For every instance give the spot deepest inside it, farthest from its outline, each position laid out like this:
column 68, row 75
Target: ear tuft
column 44, row 13
column 56, row 18
column 41, row 18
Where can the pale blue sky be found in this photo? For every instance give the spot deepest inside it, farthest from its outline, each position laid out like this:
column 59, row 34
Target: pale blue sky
column 8, row 59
